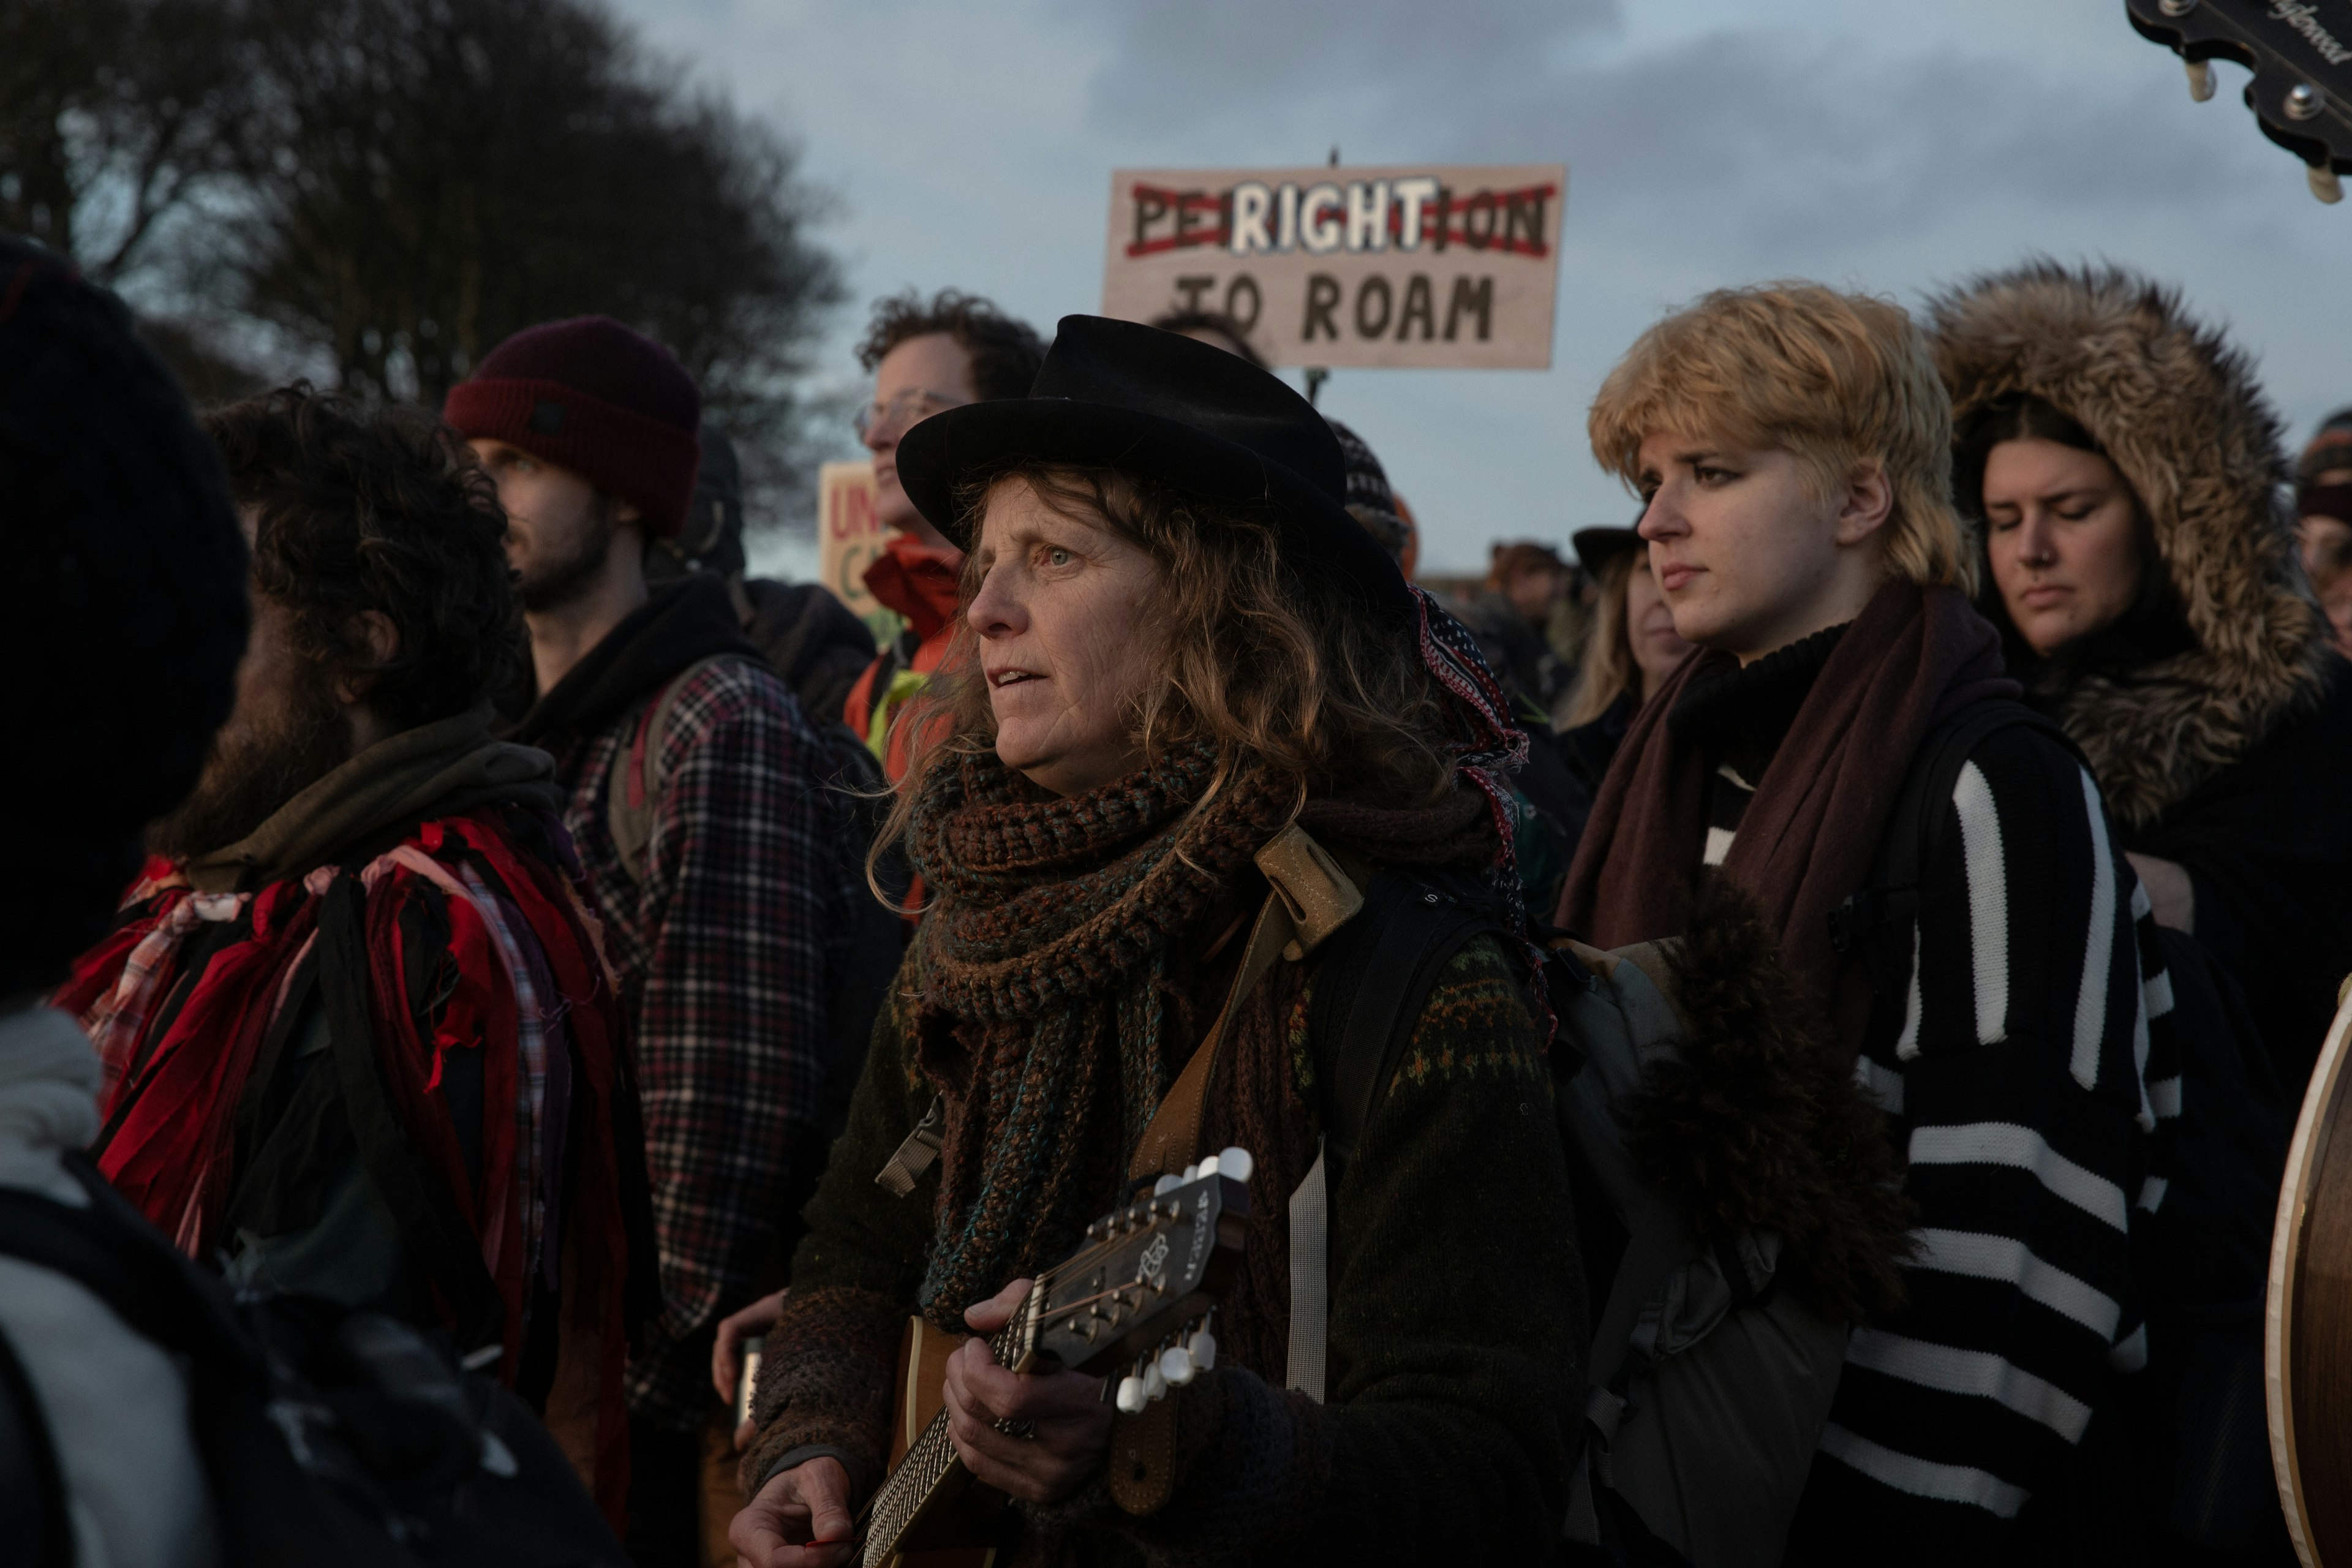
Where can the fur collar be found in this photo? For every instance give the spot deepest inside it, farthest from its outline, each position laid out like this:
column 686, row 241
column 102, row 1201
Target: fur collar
column 2180, row 413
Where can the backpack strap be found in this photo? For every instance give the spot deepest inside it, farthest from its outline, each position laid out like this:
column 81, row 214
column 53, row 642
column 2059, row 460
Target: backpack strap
column 1874, row 922
column 430, row 1223
column 1376, row 976
column 634, row 788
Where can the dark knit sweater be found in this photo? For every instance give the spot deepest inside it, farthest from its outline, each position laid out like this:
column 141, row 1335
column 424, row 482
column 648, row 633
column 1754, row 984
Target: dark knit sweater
column 1455, row 1308
column 2023, row 1084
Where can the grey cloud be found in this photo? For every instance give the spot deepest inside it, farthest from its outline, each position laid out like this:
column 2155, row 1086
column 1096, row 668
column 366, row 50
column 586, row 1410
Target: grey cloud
column 1176, row 63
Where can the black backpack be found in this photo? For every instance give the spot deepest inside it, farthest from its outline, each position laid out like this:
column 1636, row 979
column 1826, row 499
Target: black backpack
column 2200, row 1442
column 1729, row 1381
column 327, row 1435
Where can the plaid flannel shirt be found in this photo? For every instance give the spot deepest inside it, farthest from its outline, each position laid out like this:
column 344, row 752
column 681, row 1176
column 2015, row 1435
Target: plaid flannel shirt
column 723, row 954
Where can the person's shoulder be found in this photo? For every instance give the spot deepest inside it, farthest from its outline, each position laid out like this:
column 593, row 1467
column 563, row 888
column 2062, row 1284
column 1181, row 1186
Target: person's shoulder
column 731, row 692
column 1477, row 1020
column 2027, row 757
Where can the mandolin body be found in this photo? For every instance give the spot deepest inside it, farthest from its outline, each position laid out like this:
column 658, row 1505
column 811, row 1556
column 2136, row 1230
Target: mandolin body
column 962, row 1510
column 2307, row 1329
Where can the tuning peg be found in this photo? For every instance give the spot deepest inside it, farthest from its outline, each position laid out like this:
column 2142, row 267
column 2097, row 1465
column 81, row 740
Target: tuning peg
column 1155, row 1382
column 2200, row 81
column 1167, row 1184
column 2324, row 183
column 1236, row 1163
column 1131, row 1399
column 1191, row 1173
column 1176, row 1365
column 1202, row 1349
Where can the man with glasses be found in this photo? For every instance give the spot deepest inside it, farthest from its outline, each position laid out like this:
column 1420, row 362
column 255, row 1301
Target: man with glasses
column 925, row 355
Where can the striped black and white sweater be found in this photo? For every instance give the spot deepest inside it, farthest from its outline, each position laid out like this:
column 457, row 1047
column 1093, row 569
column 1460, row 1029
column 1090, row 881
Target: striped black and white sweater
column 2029, row 1079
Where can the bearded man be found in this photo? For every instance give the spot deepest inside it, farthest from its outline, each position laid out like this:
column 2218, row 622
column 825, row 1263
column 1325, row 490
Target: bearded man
column 696, row 792
column 357, row 1038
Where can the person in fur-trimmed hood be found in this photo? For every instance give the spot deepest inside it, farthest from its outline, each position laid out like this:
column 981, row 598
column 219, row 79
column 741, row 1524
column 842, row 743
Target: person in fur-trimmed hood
column 2130, row 477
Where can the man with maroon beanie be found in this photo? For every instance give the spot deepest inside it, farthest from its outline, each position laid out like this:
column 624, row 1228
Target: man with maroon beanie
column 693, row 791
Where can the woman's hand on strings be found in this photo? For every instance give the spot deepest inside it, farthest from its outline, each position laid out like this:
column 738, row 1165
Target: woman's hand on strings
column 1067, row 1431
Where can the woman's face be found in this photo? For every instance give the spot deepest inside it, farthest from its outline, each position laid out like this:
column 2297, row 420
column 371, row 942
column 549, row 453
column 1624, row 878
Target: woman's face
column 2064, row 532
column 1063, row 616
column 1650, row 627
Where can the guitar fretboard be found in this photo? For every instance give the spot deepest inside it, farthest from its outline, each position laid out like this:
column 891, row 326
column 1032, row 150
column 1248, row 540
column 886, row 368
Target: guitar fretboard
column 930, row 1461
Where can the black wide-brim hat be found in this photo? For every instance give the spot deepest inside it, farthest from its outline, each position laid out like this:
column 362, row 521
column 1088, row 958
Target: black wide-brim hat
column 1162, row 406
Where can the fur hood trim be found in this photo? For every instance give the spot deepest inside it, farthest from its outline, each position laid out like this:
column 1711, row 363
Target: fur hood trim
column 2181, row 417
column 1761, row 1126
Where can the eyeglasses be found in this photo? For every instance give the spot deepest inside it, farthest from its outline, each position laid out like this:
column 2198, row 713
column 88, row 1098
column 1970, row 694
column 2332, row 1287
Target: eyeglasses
column 905, row 409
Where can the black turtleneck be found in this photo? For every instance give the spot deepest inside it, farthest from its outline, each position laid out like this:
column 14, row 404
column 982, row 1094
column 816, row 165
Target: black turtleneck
column 1740, row 714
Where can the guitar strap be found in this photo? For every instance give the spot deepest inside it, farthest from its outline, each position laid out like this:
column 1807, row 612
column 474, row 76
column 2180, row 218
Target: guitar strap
column 1309, row 897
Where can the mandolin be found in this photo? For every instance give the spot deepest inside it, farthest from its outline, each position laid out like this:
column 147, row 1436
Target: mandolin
column 1134, row 1301
column 2307, row 1326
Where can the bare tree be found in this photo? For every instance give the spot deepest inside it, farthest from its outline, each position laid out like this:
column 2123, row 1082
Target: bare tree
column 114, row 115
column 424, row 177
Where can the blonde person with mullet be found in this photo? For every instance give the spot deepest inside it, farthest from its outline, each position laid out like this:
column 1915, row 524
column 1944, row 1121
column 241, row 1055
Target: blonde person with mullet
column 1792, row 446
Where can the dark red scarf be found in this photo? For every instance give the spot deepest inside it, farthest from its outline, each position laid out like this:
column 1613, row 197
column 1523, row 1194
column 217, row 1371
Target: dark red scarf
column 919, row 581
column 1807, row 840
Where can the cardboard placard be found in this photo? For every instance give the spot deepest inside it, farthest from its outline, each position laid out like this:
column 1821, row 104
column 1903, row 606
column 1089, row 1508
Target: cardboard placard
column 850, row 536
column 1432, row 266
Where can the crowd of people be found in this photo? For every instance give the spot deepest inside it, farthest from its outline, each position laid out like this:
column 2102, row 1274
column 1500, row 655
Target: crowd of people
column 1773, row 1040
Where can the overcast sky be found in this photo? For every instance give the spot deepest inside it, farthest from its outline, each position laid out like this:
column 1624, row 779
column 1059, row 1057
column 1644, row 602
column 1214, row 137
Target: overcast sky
column 1886, row 147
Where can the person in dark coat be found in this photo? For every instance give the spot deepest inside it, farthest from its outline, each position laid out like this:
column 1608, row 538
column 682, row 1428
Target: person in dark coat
column 1632, row 649
column 2129, row 474
column 815, row 643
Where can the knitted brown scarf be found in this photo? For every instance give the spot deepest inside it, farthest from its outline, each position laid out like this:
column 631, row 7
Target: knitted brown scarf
column 1060, row 991
column 1807, row 840
column 1044, row 1013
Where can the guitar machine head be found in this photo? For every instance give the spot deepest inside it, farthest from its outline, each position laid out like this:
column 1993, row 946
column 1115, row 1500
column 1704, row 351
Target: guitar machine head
column 1139, row 1293
column 2301, row 54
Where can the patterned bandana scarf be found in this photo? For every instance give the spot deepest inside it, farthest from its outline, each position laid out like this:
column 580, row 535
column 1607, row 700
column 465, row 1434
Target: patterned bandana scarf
column 1045, row 1010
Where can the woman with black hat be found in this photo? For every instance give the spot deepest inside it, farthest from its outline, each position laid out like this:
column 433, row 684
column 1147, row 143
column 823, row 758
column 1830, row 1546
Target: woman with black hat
column 1177, row 651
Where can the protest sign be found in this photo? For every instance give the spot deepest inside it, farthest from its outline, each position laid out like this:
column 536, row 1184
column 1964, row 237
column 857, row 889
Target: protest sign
column 1439, row 267
column 850, row 536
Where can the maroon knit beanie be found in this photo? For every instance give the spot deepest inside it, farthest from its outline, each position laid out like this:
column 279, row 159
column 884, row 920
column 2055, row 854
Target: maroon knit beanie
column 590, row 395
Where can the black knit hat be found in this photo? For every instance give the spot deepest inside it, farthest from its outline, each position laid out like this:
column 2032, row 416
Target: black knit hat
column 1163, row 406
column 1370, row 500
column 122, row 603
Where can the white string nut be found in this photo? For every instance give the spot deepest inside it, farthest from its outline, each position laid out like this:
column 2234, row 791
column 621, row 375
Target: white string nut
column 1176, row 1365
column 1131, row 1399
column 1155, row 1385
column 1202, row 1349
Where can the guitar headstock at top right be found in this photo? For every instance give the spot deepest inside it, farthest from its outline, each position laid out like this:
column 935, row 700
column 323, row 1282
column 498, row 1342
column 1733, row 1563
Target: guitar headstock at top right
column 2300, row 52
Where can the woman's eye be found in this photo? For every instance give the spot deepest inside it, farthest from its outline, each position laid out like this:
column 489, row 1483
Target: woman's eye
column 1710, row 476
column 1058, row 556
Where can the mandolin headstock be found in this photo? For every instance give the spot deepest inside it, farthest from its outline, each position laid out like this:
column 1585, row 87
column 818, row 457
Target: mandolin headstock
column 1138, row 1293
column 2301, row 54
